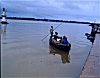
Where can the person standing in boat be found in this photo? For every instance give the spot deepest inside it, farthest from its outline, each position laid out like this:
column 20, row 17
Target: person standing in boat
column 51, row 32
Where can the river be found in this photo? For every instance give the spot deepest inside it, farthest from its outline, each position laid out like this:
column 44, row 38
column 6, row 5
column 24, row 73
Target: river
column 24, row 55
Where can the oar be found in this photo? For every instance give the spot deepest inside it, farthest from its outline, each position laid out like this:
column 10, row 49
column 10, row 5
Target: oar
column 49, row 33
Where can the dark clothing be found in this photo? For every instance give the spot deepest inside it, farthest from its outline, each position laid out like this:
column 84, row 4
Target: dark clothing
column 56, row 37
column 51, row 32
column 93, row 33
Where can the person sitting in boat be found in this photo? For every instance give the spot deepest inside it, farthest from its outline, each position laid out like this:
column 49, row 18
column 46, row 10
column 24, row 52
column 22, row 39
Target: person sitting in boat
column 64, row 40
column 56, row 37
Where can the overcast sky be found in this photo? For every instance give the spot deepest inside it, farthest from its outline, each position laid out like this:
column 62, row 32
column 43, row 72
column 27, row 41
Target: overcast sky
column 54, row 9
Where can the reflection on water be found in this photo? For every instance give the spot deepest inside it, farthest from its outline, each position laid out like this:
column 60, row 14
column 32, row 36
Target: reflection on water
column 65, row 57
column 3, row 32
column 3, row 28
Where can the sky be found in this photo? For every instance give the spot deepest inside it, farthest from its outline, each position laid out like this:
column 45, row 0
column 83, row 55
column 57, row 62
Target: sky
column 54, row 9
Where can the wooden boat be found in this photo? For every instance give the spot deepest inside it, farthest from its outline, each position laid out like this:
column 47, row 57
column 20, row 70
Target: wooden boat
column 89, row 36
column 60, row 46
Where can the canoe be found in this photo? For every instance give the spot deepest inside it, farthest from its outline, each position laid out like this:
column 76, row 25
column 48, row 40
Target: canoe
column 89, row 36
column 60, row 46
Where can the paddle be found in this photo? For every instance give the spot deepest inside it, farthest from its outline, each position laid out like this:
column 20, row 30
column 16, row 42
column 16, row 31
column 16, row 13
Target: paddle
column 49, row 33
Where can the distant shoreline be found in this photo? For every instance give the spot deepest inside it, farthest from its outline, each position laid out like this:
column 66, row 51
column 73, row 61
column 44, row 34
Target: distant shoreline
column 50, row 20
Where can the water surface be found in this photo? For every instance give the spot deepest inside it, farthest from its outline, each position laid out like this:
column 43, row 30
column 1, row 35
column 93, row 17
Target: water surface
column 23, row 54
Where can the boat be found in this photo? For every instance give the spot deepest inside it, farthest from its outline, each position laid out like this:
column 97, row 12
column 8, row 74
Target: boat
column 60, row 46
column 89, row 36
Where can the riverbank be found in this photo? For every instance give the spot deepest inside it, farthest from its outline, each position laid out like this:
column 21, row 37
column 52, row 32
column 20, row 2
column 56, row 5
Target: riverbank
column 50, row 20
column 92, row 67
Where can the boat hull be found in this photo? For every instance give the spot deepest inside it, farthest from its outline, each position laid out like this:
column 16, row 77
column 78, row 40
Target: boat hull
column 60, row 46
